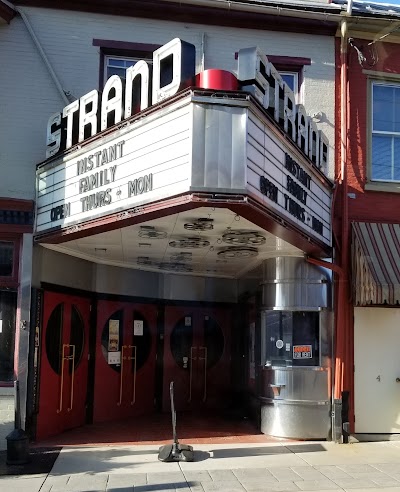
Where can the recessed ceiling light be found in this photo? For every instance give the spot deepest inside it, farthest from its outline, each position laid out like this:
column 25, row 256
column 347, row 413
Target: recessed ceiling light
column 252, row 238
column 234, row 253
column 200, row 225
column 189, row 243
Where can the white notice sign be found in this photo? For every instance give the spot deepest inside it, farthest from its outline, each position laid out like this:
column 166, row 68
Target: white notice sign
column 114, row 357
column 138, row 328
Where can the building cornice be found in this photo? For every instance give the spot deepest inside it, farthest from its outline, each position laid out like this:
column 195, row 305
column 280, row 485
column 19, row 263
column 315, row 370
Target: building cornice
column 263, row 17
column 6, row 12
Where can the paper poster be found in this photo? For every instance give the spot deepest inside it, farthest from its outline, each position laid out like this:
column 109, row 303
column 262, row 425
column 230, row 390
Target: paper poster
column 113, row 335
column 302, row 351
column 138, row 328
column 114, row 358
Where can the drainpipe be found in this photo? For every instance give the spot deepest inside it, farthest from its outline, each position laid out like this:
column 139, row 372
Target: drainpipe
column 343, row 379
column 344, row 356
column 43, row 55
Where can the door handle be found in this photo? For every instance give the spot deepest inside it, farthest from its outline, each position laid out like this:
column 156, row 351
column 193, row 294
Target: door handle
column 65, row 357
column 71, row 396
column 192, row 358
column 205, row 371
column 60, row 405
column 397, row 380
column 133, row 357
column 121, row 379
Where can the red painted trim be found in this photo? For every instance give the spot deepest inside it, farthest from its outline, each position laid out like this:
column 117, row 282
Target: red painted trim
column 16, row 204
column 6, row 384
column 125, row 45
column 6, row 12
column 244, row 206
column 292, row 62
column 175, row 11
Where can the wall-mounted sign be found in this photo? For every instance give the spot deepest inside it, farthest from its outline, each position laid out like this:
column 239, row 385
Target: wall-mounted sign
column 302, row 351
column 285, row 182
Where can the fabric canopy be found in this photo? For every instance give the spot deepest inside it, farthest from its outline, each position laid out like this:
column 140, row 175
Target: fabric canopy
column 376, row 263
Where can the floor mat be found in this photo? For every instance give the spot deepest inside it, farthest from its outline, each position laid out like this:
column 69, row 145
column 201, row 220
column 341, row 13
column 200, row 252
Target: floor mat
column 41, row 461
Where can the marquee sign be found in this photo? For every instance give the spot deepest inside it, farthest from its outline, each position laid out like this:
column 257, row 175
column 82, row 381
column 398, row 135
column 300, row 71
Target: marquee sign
column 155, row 157
column 173, row 69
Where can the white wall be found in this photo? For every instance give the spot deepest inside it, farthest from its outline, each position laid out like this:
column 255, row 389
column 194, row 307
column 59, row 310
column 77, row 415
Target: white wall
column 28, row 95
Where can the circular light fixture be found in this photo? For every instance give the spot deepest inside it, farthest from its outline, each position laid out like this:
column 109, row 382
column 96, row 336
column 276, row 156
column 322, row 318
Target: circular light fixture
column 235, row 253
column 189, row 243
column 252, row 238
column 200, row 225
column 150, row 232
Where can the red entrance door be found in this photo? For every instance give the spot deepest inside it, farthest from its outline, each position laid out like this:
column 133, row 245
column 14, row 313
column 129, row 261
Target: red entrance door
column 64, row 364
column 125, row 360
column 196, row 356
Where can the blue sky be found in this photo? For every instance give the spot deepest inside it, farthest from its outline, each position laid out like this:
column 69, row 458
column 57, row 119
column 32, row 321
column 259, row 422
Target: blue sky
column 392, row 2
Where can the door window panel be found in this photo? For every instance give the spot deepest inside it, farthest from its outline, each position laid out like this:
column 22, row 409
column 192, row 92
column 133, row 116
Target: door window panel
column 6, row 258
column 8, row 307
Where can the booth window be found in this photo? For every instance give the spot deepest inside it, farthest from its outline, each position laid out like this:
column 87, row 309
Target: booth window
column 117, row 56
column 385, row 134
column 290, row 338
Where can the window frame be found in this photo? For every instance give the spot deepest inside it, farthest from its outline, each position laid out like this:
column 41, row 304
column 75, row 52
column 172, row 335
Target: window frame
column 121, row 49
column 388, row 80
column 292, row 65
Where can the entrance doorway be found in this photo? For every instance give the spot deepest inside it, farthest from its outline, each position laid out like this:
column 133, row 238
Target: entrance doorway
column 125, row 360
column 64, row 363
column 196, row 357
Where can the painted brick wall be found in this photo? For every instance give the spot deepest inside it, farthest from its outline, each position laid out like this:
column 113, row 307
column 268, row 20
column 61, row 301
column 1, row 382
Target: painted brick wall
column 28, row 95
column 368, row 205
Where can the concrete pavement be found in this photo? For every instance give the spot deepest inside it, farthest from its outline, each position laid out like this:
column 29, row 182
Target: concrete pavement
column 283, row 466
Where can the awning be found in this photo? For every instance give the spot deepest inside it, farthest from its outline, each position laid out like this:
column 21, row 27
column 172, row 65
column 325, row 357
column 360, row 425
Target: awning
column 376, row 263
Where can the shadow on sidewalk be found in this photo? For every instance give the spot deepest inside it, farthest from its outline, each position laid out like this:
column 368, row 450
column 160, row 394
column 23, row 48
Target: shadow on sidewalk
column 264, row 451
column 41, row 461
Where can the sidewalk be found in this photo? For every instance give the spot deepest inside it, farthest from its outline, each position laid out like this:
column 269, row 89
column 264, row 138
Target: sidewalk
column 253, row 467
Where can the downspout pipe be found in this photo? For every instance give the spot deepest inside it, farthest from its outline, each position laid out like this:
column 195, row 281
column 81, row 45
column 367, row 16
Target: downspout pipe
column 43, row 55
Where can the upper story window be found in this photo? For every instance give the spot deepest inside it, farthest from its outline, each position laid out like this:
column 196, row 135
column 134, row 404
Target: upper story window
column 116, row 65
column 291, row 69
column 292, row 80
column 385, row 139
column 117, row 56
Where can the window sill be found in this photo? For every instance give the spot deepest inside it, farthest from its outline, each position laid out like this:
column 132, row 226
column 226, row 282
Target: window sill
column 386, row 187
column 6, row 390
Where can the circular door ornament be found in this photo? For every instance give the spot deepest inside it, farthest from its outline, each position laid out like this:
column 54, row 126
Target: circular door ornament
column 234, row 253
column 189, row 243
column 251, row 238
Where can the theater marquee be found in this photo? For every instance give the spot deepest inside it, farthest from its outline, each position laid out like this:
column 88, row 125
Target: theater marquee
column 197, row 141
